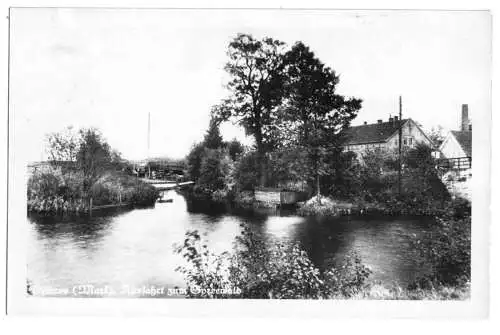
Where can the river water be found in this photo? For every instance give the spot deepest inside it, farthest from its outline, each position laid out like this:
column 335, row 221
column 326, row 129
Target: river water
column 127, row 251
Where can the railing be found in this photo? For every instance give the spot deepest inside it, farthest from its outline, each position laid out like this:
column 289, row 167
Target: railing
column 459, row 163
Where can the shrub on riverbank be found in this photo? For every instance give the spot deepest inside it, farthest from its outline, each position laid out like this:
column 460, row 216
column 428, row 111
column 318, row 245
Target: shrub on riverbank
column 51, row 192
column 261, row 271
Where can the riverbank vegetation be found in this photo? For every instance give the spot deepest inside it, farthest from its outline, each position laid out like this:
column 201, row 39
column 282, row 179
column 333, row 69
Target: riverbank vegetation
column 263, row 269
column 257, row 270
column 82, row 167
column 286, row 100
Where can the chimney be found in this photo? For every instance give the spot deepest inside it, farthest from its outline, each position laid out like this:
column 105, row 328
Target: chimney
column 396, row 118
column 391, row 119
column 465, row 117
column 379, row 121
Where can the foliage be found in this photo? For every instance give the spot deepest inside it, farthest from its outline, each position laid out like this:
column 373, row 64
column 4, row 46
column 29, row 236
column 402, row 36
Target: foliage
column 63, row 146
column 193, row 161
column 437, row 136
column 213, row 138
column 235, row 149
column 93, row 171
column 257, row 270
column 246, row 171
column 287, row 165
column 44, row 184
column 448, row 250
column 143, row 195
column 346, row 179
column 93, row 157
column 215, row 170
column 256, row 89
column 313, row 109
column 49, row 190
column 434, row 292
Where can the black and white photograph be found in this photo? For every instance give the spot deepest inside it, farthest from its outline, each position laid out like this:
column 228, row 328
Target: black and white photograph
column 259, row 154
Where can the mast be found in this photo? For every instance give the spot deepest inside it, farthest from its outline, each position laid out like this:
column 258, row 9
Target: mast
column 399, row 142
column 149, row 139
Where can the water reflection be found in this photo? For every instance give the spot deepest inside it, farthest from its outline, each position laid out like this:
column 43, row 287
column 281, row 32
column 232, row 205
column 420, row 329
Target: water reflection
column 135, row 248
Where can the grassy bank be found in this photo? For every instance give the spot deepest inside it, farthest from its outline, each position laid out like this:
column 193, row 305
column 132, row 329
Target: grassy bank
column 442, row 292
column 52, row 192
column 329, row 206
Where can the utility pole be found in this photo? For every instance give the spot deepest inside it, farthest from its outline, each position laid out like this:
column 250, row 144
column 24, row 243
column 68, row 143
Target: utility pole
column 399, row 142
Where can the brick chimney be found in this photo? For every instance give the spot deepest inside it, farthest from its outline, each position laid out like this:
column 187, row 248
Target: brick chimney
column 465, row 118
column 396, row 118
column 379, row 121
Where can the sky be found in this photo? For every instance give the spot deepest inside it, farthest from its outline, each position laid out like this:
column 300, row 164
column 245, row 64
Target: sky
column 111, row 68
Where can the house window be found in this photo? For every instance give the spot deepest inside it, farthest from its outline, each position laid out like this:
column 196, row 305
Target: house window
column 408, row 141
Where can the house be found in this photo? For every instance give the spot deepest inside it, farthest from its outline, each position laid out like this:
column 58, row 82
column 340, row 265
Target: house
column 457, row 146
column 385, row 135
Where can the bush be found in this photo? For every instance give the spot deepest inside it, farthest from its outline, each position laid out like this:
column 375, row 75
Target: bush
column 144, row 194
column 215, row 170
column 193, row 161
column 246, row 172
column 448, row 249
column 258, row 271
column 44, row 184
column 101, row 195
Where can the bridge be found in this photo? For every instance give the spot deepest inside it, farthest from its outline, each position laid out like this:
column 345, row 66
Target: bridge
column 159, row 169
column 165, row 185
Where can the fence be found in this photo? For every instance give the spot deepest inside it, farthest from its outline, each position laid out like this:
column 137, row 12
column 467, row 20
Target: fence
column 459, row 163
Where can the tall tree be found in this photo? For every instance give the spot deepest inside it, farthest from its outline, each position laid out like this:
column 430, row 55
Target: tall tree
column 314, row 110
column 256, row 88
column 213, row 138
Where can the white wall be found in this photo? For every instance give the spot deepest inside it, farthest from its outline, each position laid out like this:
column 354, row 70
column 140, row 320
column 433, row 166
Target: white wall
column 451, row 148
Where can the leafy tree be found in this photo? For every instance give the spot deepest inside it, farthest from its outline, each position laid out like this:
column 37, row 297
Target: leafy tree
column 246, row 173
column 63, row 145
column 93, row 157
column 235, row 149
column 62, row 149
column 193, row 161
column 213, row 138
column 437, row 136
column 214, row 170
column 256, row 89
column 313, row 109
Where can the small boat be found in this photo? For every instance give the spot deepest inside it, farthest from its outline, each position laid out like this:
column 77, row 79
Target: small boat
column 166, row 200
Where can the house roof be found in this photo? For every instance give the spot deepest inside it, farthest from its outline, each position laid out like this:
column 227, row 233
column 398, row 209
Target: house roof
column 464, row 138
column 372, row 133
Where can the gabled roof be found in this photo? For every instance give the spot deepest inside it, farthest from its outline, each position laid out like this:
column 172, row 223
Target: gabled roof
column 464, row 138
column 372, row 133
